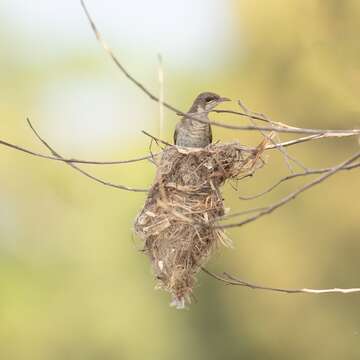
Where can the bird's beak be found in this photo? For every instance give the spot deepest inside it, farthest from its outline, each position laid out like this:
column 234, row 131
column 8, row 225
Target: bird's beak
column 223, row 99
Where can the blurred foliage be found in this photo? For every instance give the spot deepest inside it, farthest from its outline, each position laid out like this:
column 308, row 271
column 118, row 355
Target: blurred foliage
column 73, row 282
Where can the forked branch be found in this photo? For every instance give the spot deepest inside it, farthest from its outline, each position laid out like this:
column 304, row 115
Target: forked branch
column 85, row 173
column 293, row 195
column 75, row 161
column 296, row 175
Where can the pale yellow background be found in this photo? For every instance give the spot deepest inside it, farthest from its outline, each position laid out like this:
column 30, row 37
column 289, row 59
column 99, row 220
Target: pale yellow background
column 73, row 283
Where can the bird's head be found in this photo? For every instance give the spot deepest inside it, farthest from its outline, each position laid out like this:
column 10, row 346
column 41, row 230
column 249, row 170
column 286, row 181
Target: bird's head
column 206, row 101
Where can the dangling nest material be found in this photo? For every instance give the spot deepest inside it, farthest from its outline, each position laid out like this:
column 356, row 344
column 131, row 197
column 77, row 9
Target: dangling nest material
column 183, row 205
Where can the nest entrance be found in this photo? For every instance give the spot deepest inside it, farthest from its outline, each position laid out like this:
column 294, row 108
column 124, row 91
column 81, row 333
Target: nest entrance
column 182, row 207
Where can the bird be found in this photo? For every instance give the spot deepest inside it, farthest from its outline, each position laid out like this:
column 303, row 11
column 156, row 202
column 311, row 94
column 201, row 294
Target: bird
column 196, row 134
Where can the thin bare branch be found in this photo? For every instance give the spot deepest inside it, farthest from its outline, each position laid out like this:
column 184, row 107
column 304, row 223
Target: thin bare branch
column 141, row 158
column 295, row 175
column 161, row 95
column 293, row 195
column 308, row 138
column 253, row 115
column 146, row 157
column 231, row 280
column 279, row 127
column 57, row 155
column 89, row 162
column 157, row 140
column 243, row 212
column 244, row 114
column 295, row 141
column 270, row 137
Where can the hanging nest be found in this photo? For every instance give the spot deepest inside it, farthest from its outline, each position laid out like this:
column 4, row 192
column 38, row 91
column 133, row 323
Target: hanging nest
column 182, row 207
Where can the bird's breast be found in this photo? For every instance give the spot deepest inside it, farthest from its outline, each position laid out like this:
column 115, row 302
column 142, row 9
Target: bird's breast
column 194, row 134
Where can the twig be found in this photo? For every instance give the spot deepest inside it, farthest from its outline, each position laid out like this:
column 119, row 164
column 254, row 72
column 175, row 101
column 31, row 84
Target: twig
column 295, row 141
column 161, row 95
column 231, row 280
column 293, row 195
column 307, row 138
column 252, row 115
column 118, row 186
column 146, row 157
column 89, row 162
column 295, row 175
column 157, row 140
column 280, row 127
column 269, row 137
column 243, row 212
column 244, row 114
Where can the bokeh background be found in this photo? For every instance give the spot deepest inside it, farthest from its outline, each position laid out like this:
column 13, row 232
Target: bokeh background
column 73, row 283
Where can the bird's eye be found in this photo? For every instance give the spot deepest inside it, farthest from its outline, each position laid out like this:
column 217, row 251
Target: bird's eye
column 209, row 98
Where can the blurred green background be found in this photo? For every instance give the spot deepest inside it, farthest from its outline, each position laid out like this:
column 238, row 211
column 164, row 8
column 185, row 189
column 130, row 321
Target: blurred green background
column 73, row 283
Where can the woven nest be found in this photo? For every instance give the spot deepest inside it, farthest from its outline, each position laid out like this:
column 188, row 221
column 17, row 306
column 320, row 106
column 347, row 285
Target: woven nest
column 182, row 207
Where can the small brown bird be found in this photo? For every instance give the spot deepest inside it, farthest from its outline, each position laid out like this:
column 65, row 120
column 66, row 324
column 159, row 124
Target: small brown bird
column 192, row 133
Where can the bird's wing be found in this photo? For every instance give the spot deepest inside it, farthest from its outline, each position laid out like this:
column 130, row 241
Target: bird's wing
column 210, row 134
